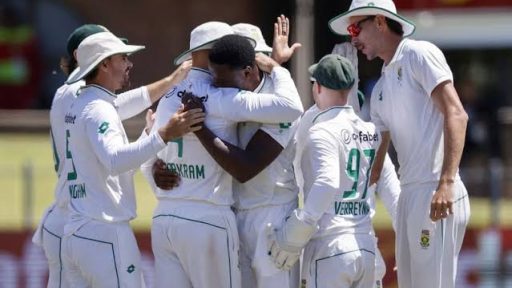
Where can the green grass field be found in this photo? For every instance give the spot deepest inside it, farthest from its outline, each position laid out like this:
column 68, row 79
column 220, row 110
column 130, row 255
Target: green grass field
column 18, row 149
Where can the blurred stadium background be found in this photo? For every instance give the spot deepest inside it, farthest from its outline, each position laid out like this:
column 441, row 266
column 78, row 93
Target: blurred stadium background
column 475, row 35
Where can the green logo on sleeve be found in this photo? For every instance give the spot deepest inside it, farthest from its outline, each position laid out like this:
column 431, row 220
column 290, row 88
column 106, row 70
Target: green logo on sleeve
column 103, row 128
column 285, row 125
column 130, row 269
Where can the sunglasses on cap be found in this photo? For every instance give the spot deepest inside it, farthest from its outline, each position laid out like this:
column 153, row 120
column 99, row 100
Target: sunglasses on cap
column 355, row 28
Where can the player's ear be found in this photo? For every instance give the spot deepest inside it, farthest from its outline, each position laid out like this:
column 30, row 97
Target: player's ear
column 318, row 88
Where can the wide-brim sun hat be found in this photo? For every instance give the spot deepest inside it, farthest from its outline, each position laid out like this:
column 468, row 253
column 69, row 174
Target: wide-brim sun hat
column 386, row 8
column 80, row 33
column 95, row 49
column 253, row 32
column 203, row 37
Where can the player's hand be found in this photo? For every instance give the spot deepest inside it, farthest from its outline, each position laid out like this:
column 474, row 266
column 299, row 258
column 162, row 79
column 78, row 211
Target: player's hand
column 283, row 256
column 181, row 72
column 442, row 201
column 150, row 120
column 181, row 123
column 191, row 101
column 281, row 52
column 265, row 63
column 164, row 178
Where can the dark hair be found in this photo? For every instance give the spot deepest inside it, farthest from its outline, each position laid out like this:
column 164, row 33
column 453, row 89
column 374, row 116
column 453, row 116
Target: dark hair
column 232, row 50
column 91, row 75
column 395, row 27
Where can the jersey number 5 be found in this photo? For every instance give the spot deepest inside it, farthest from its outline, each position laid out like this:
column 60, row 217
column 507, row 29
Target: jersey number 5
column 72, row 174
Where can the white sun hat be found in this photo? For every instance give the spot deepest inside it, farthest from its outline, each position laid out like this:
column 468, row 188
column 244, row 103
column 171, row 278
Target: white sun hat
column 253, row 32
column 95, row 49
column 386, row 8
column 203, row 37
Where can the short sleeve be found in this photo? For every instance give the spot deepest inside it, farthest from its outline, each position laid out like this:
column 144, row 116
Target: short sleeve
column 428, row 65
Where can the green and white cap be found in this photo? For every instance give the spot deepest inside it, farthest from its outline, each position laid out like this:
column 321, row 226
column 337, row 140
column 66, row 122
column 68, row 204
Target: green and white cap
column 96, row 48
column 385, row 8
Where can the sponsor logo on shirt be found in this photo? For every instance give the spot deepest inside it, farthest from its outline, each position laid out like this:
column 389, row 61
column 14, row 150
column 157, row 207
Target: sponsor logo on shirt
column 171, row 92
column 347, row 137
column 204, row 99
column 70, row 118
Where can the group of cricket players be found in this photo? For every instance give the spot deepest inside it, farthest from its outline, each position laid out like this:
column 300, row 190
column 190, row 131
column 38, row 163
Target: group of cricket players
column 229, row 149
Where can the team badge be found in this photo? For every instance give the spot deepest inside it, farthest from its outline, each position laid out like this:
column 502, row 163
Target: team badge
column 399, row 74
column 303, row 283
column 425, row 239
column 380, row 96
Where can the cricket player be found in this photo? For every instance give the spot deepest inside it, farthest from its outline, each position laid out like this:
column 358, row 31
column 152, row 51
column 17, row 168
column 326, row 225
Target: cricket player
column 388, row 185
column 98, row 247
column 50, row 230
column 264, row 187
column 335, row 158
column 415, row 105
column 200, row 207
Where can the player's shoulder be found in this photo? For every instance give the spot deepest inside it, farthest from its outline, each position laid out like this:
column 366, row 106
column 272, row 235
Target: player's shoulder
column 420, row 48
column 66, row 92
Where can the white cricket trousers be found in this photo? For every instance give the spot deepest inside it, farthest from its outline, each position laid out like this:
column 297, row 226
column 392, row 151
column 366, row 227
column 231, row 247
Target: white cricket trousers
column 101, row 254
column 256, row 265
column 195, row 244
column 426, row 251
column 49, row 234
column 339, row 261
column 380, row 267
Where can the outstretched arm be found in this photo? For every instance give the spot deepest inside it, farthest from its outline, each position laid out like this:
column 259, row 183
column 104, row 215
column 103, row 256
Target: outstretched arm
column 131, row 103
column 281, row 51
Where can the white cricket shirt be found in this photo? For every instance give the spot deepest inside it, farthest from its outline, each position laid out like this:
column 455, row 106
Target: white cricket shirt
column 401, row 104
column 100, row 161
column 128, row 104
column 335, row 162
column 202, row 179
column 274, row 185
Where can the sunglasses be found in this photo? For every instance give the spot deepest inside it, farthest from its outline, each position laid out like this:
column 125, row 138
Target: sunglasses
column 355, row 28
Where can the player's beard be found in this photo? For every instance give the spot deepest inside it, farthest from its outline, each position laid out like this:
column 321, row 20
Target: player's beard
column 126, row 80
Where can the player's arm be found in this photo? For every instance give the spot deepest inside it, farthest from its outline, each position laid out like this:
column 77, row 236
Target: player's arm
column 105, row 134
column 281, row 52
column 380, row 157
column 321, row 157
column 242, row 164
column 388, row 188
column 455, row 122
column 282, row 106
column 133, row 102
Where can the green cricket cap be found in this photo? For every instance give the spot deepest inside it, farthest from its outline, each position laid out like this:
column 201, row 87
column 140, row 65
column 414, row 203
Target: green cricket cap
column 334, row 72
column 82, row 32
